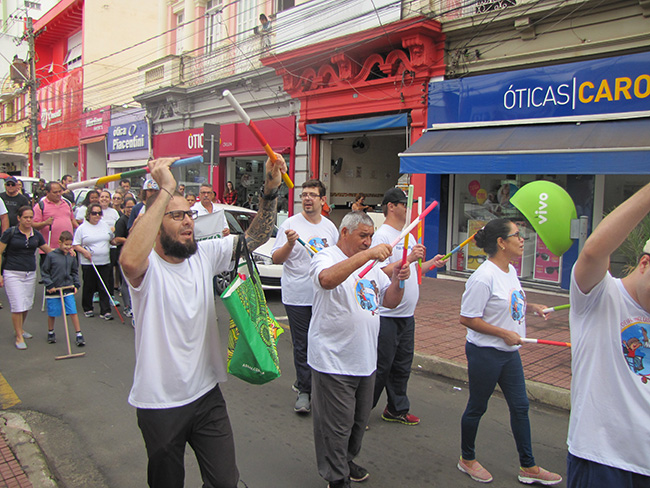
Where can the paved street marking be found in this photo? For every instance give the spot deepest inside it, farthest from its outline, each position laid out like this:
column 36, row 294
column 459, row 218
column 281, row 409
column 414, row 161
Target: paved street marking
column 8, row 397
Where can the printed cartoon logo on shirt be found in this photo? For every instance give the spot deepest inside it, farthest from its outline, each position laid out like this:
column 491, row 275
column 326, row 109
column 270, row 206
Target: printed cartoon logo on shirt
column 367, row 293
column 318, row 242
column 636, row 345
column 517, row 305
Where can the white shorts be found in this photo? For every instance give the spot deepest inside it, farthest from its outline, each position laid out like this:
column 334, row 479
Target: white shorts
column 20, row 286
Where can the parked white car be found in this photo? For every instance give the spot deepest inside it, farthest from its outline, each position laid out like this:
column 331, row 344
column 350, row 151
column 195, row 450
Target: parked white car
column 239, row 219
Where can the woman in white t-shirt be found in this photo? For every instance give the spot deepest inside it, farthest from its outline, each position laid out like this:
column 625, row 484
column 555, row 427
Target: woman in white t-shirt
column 110, row 216
column 493, row 309
column 92, row 240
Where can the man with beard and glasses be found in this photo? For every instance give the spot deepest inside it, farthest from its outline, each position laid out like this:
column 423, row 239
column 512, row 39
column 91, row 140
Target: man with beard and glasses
column 179, row 363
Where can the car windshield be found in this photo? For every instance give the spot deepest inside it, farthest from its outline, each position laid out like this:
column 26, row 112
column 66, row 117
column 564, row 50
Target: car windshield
column 239, row 221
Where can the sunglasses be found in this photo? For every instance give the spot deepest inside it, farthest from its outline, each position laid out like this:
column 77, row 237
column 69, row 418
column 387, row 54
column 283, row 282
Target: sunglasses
column 96, row 213
column 180, row 214
column 10, row 184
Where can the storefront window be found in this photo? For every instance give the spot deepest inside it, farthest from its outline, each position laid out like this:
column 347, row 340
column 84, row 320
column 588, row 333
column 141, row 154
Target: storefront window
column 192, row 177
column 481, row 198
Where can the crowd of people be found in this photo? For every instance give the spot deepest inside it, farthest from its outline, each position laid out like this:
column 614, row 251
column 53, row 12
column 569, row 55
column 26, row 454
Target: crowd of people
column 352, row 331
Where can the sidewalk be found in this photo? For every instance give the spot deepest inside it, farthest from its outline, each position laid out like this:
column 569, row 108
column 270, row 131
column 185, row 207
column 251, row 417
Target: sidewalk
column 440, row 340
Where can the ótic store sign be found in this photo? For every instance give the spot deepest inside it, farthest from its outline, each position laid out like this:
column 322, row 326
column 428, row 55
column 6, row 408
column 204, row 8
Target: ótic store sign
column 128, row 137
column 609, row 85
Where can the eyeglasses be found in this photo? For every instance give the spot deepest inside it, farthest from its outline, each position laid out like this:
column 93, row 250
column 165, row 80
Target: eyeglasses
column 96, row 213
column 311, row 196
column 476, row 259
column 180, row 214
column 516, row 234
column 10, row 184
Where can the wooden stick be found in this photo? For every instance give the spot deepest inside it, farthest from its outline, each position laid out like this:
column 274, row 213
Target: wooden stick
column 102, row 180
column 110, row 297
column 408, row 229
column 409, row 208
column 420, row 227
column 566, row 306
column 544, row 341
column 65, row 323
column 230, row 98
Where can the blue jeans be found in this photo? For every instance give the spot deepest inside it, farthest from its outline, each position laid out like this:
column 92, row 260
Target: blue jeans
column 487, row 367
column 582, row 473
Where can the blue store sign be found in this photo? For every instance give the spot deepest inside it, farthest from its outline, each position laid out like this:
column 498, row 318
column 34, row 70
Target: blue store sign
column 128, row 137
column 609, row 85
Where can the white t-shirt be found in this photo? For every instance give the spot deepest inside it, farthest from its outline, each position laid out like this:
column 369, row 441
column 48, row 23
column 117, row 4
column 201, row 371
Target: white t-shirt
column 345, row 321
column 610, row 386
column 178, row 352
column 110, row 216
column 296, row 285
column 387, row 234
column 198, row 206
column 97, row 239
column 497, row 298
column 3, row 207
column 80, row 212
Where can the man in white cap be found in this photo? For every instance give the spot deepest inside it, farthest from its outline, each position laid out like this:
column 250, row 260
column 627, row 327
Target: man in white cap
column 609, row 427
column 149, row 188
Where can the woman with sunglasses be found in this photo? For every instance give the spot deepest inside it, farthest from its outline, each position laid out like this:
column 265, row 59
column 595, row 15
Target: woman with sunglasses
column 493, row 309
column 92, row 240
column 19, row 269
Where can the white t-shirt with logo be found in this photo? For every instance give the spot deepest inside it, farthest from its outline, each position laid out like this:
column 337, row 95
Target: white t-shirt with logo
column 498, row 298
column 345, row 321
column 387, row 234
column 179, row 356
column 296, row 285
column 97, row 239
column 610, row 386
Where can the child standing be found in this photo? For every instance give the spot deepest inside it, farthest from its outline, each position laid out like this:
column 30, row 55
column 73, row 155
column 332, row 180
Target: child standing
column 61, row 269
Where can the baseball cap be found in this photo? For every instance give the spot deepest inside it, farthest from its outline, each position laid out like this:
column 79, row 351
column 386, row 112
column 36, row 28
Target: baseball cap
column 12, row 179
column 150, row 185
column 394, row 195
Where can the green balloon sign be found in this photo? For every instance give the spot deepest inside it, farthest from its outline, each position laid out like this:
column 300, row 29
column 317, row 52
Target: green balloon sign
column 550, row 210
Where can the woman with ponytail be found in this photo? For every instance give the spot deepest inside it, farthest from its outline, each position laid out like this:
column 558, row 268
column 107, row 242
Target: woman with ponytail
column 493, row 309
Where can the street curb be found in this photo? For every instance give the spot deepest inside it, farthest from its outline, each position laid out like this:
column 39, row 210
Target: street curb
column 27, row 451
column 537, row 392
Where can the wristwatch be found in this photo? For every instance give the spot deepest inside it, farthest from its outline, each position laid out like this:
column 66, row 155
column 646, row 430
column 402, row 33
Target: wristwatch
column 272, row 196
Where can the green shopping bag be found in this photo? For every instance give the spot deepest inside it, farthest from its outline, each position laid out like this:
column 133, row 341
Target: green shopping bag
column 252, row 340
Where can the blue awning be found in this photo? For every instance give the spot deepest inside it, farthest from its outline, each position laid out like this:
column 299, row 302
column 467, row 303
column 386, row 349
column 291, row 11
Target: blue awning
column 359, row 125
column 594, row 147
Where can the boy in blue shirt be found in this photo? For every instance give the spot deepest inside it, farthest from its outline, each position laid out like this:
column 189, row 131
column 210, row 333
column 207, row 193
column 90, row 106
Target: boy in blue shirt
column 61, row 269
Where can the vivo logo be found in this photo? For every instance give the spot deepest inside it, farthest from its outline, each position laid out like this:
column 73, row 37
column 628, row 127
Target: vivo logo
column 541, row 212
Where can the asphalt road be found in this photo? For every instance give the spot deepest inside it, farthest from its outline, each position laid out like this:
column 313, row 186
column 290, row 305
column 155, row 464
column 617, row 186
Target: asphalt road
column 78, row 412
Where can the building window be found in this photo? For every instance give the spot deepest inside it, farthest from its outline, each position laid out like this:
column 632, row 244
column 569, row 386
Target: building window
column 246, row 18
column 213, row 17
column 284, row 5
column 179, row 33
column 73, row 57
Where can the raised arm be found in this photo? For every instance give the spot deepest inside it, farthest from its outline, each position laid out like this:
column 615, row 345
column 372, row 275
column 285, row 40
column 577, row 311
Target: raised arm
column 593, row 261
column 262, row 225
column 333, row 276
column 134, row 257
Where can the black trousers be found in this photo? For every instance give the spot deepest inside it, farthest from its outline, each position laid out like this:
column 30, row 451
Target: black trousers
column 92, row 284
column 395, row 348
column 299, row 318
column 205, row 425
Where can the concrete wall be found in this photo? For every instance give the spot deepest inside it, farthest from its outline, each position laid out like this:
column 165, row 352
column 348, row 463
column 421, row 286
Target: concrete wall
column 113, row 28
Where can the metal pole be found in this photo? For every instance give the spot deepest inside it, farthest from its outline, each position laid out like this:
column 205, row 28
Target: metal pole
column 34, row 116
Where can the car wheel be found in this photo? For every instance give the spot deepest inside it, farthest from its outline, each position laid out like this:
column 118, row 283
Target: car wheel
column 222, row 280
